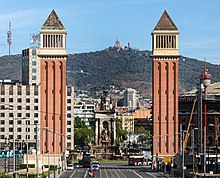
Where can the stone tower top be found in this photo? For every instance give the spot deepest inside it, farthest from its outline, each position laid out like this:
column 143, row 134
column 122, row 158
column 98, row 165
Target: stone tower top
column 165, row 23
column 53, row 22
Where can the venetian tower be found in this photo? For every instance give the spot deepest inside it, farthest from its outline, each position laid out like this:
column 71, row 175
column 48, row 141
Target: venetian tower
column 52, row 54
column 165, row 87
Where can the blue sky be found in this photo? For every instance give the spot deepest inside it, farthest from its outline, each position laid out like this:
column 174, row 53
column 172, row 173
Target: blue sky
column 95, row 24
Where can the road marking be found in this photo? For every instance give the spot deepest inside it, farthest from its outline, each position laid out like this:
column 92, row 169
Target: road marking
column 116, row 172
column 138, row 174
column 72, row 174
column 85, row 174
column 151, row 175
column 122, row 173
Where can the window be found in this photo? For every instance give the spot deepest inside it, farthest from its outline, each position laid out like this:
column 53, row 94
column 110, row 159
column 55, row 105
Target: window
column 68, row 100
column 19, row 137
column 19, row 90
column 11, row 129
column 69, row 90
column 3, row 100
column 27, row 107
column 19, row 115
column 34, row 63
column 68, row 129
column 34, row 77
column 10, row 137
column 68, row 122
column 2, row 90
column 2, row 114
column 2, row 137
column 19, row 122
column 27, row 114
column 2, row 122
column 2, row 129
column 34, row 70
column 68, row 137
column 35, row 114
column 35, row 122
column 10, row 121
column 27, row 129
column 10, row 90
column 19, row 100
column 19, row 129
column 68, row 115
column 35, row 100
column 27, row 137
column 27, row 90
column 27, row 100
column 68, row 108
column 11, row 115
column 27, row 122
column 2, row 107
column 11, row 100
column 18, row 107
column 35, row 107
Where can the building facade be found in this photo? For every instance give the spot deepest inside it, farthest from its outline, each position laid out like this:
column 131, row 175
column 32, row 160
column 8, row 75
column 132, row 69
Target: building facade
column 43, row 98
column 165, row 86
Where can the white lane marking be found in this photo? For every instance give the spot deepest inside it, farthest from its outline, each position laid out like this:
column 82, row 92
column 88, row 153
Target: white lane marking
column 85, row 174
column 138, row 174
column 116, row 172
column 72, row 174
column 122, row 173
column 106, row 173
column 151, row 175
column 111, row 173
column 100, row 172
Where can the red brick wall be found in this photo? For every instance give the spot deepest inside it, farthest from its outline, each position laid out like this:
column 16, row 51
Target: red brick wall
column 165, row 107
column 53, row 104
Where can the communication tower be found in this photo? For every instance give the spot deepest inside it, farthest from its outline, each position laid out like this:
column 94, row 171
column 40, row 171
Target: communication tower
column 9, row 37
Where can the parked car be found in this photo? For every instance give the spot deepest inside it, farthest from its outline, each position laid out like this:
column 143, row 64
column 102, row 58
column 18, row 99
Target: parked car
column 95, row 167
column 70, row 166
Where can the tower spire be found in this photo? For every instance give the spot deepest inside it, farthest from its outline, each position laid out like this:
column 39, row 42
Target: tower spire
column 9, row 36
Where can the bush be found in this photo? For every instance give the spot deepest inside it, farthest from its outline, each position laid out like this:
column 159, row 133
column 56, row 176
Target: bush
column 23, row 166
column 5, row 176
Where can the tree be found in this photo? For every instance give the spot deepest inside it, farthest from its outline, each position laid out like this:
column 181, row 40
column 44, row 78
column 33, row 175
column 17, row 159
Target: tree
column 83, row 136
column 121, row 135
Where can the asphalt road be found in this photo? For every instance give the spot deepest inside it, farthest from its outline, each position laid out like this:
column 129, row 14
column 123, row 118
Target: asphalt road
column 113, row 170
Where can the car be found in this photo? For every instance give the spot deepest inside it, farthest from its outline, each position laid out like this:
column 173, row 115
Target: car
column 76, row 164
column 95, row 167
column 70, row 166
column 95, row 163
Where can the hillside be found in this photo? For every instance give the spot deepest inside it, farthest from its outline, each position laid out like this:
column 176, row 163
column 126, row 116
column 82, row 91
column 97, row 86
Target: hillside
column 121, row 68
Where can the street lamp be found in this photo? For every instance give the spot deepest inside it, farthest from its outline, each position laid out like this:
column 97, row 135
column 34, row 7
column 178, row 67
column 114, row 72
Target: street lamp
column 183, row 160
column 11, row 108
column 216, row 144
column 193, row 144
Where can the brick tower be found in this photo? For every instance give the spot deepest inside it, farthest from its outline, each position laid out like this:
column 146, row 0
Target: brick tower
column 52, row 54
column 165, row 87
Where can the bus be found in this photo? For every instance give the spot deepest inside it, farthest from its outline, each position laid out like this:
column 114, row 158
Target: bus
column 137, row 161
column 10, row 154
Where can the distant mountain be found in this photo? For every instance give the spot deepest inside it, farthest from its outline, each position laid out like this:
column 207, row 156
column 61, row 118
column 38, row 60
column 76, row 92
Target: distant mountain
column 121, row 68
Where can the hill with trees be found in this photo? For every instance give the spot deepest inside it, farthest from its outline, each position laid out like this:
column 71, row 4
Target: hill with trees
column 121, row 68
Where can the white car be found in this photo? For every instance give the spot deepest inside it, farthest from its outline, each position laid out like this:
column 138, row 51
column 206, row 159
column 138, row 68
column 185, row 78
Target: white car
column 95, row 167
column 70, row 166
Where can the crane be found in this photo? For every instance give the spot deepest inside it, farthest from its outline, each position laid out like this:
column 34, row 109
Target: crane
column 188, row 127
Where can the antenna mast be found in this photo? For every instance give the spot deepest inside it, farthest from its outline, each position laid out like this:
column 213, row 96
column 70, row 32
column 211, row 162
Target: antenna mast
column 9, row 36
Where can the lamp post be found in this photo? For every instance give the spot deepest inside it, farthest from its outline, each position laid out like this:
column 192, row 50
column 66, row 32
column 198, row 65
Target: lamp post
column 11, row 108
column 193, row 145
column 183, row 160
column 54, row 139
column 206, row 80
column 37, row 165
column 27, row 148
column 216, row 144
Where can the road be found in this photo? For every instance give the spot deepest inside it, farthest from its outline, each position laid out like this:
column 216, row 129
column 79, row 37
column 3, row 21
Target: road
column 113, row 170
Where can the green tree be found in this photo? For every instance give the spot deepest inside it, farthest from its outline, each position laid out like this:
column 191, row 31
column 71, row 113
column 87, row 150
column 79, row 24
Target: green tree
column 121, row 135
column 83, row 136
